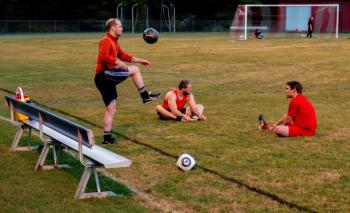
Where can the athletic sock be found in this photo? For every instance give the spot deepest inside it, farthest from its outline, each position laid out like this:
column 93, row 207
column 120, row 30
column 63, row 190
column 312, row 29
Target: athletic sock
column 107, row 136
column 143, row 93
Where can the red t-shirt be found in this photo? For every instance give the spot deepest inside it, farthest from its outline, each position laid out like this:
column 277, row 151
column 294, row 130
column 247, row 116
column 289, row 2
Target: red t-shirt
column 303, row 113
column 108, row 51
column 180, row 103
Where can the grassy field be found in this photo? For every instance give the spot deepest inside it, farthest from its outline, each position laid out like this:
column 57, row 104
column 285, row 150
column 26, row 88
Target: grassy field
column 239, row 167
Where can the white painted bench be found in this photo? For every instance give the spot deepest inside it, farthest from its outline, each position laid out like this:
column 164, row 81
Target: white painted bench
column 56, row 131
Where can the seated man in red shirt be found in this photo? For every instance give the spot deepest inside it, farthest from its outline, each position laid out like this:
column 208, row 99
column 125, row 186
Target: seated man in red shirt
column 300, row 119
column 173, row 107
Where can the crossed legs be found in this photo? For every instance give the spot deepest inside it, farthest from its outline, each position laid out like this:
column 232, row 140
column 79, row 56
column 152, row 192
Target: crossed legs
column 165, row 114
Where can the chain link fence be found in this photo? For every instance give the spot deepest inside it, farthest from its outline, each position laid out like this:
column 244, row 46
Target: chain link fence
column 41, row 26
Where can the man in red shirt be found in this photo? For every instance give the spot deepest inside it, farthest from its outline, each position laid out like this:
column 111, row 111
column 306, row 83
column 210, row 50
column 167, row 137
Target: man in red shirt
column 111, row 70
column 300, row 120
column 173, row 107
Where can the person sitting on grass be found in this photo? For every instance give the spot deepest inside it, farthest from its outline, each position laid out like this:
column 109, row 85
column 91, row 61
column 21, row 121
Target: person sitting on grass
column 300, row 120
column 173, row 107
column 258, row 34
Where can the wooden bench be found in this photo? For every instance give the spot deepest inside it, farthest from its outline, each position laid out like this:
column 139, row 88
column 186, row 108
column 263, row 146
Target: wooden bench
column 55, row 131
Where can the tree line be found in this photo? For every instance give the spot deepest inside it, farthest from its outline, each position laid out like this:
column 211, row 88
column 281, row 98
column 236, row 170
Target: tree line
column 103, row 9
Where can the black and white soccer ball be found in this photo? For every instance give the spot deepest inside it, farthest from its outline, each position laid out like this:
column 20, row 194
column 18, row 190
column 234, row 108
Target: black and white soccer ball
column 185, row 162
column 150, row 35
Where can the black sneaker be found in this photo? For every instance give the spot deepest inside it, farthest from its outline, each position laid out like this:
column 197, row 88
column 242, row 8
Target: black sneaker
column 110, row 141
column 261, row 119
column 263, row 124
column 151, row 97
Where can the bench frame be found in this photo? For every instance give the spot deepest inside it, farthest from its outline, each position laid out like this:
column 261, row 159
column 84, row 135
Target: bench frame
column 48, row 142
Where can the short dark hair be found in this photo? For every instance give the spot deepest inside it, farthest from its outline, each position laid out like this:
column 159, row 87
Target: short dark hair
column 184, row 84
column 295, row 85
column 111, row 22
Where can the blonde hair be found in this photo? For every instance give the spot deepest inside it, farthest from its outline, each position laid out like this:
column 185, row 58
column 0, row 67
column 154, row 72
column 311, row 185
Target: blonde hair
column 111, row 22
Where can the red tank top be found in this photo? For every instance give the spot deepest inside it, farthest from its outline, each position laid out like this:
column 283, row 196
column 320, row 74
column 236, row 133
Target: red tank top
column 179, row 103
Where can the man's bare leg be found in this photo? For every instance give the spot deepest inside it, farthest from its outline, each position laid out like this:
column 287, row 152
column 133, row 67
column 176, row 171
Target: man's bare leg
column 108, row 121
column 135, row 74
column 200, row 109
column 109, row 115
column 165, row 113
column 147, row 96
column 281, row 130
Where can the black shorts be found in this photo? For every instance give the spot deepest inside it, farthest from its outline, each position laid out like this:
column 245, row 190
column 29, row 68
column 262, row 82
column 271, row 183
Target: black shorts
column 183, row 110
column 107, row 81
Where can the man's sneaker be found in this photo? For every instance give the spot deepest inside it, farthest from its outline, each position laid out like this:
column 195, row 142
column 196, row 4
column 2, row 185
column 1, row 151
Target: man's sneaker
column 193, row 118
column 263, row 124
column 151, row 97
column 110, row 141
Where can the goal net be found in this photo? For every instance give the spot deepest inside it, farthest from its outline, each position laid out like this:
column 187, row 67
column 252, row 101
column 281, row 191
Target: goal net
column 285, row 20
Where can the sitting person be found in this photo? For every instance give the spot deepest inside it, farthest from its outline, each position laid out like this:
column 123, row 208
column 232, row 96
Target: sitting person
column 300, row 119
column 173, row 107
column 258, row 34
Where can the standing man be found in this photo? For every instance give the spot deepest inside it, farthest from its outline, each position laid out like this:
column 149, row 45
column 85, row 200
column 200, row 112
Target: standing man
column 310, row 27
column 174, row 102
column 111, row 70
column 300, row 119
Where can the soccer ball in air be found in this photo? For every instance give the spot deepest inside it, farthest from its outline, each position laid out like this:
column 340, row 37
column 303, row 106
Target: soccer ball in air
column 185, row 162
column 150, row 35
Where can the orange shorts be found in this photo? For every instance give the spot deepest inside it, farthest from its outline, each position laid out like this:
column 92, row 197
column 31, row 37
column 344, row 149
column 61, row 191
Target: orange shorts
column 294, row 131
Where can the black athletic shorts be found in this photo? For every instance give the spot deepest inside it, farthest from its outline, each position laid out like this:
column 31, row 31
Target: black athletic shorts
column 183, row 110
column 107, row 81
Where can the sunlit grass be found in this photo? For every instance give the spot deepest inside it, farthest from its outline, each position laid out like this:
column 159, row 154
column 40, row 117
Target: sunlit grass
column 235, row 81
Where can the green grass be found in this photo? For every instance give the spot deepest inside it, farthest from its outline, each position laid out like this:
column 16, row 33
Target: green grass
column 235, row 81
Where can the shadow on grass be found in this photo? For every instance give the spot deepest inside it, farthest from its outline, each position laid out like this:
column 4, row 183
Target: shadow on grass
column 76, row 170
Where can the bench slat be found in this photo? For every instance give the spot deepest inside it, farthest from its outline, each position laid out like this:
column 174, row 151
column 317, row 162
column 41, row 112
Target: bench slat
column 97, row 153
column 61, row 125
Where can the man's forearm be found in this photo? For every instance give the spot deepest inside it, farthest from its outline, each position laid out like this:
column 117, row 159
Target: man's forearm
column 177, row 113
column 280, row 121
column 134, row 60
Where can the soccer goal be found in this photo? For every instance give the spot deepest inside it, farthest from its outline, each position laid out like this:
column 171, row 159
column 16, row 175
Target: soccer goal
column 285, row 20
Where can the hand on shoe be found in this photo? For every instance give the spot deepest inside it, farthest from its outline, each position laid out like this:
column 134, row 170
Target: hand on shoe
column 202, row 117
column 186, row 118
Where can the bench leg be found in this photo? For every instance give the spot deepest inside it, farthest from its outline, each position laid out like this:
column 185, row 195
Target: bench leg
column 80, row 193
column 18, row 136
column 42, row 157
column 41, row 160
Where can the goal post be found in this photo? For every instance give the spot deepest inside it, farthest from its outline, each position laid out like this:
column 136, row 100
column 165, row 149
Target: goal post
column 285, row 20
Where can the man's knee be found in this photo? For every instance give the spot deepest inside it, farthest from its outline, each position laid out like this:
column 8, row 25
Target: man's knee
column 200, row 107
column 133, row 70
column 159, row 108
